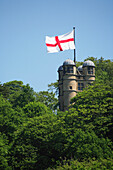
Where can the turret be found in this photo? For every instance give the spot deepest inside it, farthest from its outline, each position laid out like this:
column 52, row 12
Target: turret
column 67, row 86
column 88, row 72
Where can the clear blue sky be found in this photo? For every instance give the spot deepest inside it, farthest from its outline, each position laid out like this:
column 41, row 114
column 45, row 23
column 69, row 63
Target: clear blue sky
column 25, row 23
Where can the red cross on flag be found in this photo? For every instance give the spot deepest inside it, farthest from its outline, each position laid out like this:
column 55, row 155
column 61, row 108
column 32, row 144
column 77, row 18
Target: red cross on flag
column 60, row 43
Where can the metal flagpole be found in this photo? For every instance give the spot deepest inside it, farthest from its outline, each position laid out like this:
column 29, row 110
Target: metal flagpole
column 74, row 43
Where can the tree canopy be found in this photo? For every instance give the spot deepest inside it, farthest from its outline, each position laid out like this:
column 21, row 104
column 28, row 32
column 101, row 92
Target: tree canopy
column 34, row 134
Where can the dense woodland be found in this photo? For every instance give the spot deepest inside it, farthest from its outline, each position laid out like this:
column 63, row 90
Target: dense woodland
column 34, row 134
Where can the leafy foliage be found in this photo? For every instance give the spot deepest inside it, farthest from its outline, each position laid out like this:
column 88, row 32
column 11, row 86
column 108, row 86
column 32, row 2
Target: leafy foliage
column 3, row 151
column 48, row 98
column 33, row 136
column 31, row 148
column 86, row 164
column 53, row 87
column 17, row 93
column 34, row 109
column 95, row 109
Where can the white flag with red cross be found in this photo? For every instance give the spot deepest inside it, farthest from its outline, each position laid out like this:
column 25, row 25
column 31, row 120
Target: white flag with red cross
column 60, row 43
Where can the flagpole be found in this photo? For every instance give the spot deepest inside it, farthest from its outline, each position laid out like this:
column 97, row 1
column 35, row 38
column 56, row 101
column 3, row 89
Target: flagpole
column 74, row 49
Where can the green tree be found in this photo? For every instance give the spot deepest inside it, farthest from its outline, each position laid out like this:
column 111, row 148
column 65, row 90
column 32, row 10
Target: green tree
column 94, row 108
column 53, row 87
column 34, row 109
column 26, row 96
column 32, row 147
column 47, row 98
column 17, row 93
column 10, row 119
column 10, row 89
column 84, row 165
column 83, row 145
column 3, row 151
column 33, row 137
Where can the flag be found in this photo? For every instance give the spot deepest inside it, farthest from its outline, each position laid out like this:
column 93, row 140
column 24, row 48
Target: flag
column 60, row 43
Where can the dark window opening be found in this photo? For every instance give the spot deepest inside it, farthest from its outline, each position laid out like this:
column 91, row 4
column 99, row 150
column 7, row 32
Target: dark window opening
column 90, row 70
column 80, row 86
column 59, row 76
column 70, row 69
column 70, row 87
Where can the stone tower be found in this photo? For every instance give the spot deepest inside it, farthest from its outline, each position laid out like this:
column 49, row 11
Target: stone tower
column 72, row 80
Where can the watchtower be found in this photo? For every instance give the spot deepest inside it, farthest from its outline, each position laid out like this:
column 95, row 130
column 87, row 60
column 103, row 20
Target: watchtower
column 72, row 80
